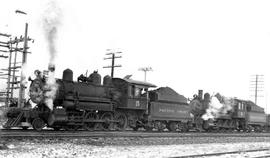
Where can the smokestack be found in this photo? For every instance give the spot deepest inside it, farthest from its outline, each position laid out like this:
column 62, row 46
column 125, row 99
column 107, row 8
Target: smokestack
column 200, row 94
column 51, row 67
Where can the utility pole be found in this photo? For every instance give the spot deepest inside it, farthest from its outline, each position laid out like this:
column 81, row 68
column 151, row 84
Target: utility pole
column 145, row 70
column 9, row 72
column 6, row 45
column 24, row 60
column 12, row 67
column 113, row 57
column 256, row 86
column 14, row 70
column 23, row 77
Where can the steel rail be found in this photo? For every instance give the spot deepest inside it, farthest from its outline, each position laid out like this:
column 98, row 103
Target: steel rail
column 222, row 153
column 263, row 156
column 16, row 133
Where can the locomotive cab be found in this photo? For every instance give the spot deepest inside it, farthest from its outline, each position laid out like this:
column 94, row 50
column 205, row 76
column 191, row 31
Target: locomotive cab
column 239, row 109
column 134, row 94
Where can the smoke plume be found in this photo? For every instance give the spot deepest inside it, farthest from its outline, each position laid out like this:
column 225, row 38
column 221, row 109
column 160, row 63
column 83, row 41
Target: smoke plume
column 52, row 20
column 219, row 105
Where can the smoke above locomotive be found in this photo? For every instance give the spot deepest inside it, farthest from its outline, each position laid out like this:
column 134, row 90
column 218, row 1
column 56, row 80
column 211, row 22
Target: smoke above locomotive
column 45, row 86
column 51, row 22
column 211, row 107
column 218, row 106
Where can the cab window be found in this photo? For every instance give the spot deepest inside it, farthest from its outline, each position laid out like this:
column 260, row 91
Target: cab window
column 239, row 106
column 248, row 108
column 137, row 92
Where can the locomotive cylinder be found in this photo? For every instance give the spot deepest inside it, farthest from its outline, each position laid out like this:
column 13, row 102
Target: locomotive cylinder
column 51, row 67
column 200, row 94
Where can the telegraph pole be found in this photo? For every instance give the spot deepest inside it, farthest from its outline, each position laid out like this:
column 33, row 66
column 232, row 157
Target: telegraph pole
column 23, row 77
column 24, row 60
column 256, row 86
column 11, row 70
column 145, row 70
column 6, row 45
column 13, row 73
column 113, row 57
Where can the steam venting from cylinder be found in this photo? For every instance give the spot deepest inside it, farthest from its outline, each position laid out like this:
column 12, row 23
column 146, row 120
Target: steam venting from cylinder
column 51, row 22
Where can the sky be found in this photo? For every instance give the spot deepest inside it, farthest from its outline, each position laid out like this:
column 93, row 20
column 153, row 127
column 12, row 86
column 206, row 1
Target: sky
column 212, row 45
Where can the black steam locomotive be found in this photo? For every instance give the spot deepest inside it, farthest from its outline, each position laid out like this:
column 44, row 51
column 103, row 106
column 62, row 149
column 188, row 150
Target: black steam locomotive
column 234, row 114
column 116, row 104
column 121, row 103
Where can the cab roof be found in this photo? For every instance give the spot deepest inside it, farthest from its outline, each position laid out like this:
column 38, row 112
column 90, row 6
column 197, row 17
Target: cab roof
column 135, row 82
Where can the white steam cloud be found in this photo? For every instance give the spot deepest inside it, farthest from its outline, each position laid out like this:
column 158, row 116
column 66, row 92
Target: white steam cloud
column 24, row 80
column 51, row 88
column 52, row 20
column 218, row 106
column 24, row 72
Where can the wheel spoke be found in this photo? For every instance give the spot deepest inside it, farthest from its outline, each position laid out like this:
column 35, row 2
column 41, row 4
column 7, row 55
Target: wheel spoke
column 107, row 124
column 122, row 120
column 90, row 126
column 172, row 126
column 38, row 124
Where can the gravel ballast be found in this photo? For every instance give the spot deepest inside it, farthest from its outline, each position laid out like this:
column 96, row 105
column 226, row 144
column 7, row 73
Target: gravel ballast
column 127, row 147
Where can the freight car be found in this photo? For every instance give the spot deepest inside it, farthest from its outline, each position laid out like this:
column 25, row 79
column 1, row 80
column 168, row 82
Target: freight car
column 116, row 104
column 239, row 114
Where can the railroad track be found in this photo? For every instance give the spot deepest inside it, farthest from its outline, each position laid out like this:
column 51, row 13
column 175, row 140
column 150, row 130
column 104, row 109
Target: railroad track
column 229, row 153
column 16, row 133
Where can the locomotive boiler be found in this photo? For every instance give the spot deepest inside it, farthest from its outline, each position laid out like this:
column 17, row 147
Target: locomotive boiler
column 69, row 92
column 84, row 102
